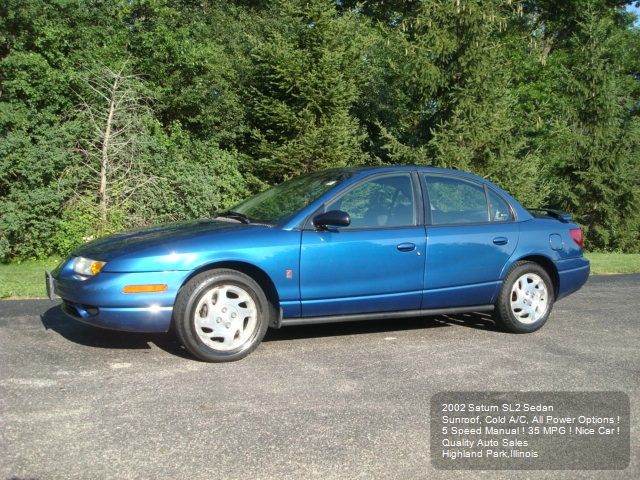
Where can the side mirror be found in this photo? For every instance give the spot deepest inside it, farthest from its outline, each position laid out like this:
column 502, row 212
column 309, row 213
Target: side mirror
column 332, row 218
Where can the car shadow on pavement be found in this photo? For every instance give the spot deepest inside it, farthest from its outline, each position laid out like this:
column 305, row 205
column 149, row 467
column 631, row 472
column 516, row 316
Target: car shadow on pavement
column 479, row 320
column 476, row 320
column 77, row 332
column 90, row 336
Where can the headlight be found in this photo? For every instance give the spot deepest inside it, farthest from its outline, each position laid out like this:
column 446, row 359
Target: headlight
column 87, row 267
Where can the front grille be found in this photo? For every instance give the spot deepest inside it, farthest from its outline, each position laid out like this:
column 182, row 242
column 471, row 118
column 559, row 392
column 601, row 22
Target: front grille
column 79, row 311
column 70, row 309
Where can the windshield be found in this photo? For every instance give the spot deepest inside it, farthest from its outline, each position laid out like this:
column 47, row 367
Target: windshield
column 282, row 201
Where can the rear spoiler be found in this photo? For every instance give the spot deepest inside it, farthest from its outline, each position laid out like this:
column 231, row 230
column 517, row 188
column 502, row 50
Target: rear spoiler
column 557, row 214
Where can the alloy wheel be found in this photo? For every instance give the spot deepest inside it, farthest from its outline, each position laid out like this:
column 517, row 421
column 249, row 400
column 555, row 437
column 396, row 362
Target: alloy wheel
column 226, row 317
column 529, row 298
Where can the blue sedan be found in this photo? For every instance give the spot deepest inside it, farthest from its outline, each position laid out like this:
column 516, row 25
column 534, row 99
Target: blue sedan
column 337, row 245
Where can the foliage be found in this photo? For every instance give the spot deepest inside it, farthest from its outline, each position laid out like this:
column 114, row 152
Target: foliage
column 457, row 109
column 305, row 66
column 595, row 145
column 78, row 224
column 195, row 178
column 542, row 97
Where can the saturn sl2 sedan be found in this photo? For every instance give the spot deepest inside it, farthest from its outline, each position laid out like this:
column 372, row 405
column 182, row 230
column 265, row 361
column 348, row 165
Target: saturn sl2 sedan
column 332, row 246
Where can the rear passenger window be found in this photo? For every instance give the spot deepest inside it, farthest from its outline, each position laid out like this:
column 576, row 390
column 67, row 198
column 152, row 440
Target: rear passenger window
column 454, row 201
column 498, row 209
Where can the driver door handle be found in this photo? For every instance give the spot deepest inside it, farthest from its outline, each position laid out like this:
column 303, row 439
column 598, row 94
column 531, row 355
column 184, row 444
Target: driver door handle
column 407, row 247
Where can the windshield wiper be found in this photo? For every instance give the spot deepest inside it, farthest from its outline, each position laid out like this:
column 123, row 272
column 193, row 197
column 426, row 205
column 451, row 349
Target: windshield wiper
column 236, row 215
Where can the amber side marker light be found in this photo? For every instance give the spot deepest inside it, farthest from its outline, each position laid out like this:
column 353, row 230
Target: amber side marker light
column 152, row 288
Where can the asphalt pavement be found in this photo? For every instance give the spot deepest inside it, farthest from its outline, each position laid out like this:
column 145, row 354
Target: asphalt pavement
column 344, row 401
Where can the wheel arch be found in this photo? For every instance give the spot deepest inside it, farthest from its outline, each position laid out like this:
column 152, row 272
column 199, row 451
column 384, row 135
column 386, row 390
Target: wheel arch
column 548, row 265
column 256, row 273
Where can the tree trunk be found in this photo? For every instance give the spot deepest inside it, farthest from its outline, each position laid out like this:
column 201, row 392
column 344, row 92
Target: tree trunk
column 104, row 160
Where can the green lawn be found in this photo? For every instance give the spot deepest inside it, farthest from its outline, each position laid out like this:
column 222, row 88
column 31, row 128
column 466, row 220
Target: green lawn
column 26, row 279
column 607, row 263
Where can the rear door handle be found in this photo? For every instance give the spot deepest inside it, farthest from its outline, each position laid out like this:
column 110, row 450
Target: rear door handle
column 407, row 247
column 501, row 240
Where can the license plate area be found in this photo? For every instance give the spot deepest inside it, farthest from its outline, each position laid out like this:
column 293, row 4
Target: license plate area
column 50, row 285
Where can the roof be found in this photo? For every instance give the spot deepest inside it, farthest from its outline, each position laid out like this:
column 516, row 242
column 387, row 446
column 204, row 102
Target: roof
column 401, row 168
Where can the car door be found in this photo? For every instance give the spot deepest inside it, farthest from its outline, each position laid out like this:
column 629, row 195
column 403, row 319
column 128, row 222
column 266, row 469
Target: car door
column 376, row 264
column 471, row 233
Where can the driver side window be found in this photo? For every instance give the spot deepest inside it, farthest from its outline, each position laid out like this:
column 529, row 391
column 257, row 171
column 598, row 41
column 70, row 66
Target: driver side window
column 386, row 201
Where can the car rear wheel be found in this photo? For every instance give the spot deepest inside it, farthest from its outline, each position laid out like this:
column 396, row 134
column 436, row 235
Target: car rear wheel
column 221, row 315
column 526, row 298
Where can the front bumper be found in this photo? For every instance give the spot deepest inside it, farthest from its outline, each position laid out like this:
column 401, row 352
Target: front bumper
column 147, row 319
column 100, row 301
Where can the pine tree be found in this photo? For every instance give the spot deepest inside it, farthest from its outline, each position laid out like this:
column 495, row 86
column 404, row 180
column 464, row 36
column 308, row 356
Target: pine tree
column 460, row 103
column 303, row 87
column 594, row 143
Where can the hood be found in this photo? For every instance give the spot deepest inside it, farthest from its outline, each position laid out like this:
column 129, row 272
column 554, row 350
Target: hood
column 157, row 237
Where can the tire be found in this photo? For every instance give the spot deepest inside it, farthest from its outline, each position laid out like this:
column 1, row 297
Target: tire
column 526, row 298
column 221, row 315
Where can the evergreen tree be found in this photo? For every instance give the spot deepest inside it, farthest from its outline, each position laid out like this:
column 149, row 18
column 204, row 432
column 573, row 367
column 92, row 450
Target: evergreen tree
column 477, row 124
column 463, row 103
column 594, row 142
column 303, row 86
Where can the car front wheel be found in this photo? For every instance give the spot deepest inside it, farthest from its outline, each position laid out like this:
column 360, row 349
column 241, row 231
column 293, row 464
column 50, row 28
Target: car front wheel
column 221, row 315
column 526, row 299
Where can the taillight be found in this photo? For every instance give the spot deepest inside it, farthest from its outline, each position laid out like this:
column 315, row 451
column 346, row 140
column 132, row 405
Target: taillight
column 576, row 234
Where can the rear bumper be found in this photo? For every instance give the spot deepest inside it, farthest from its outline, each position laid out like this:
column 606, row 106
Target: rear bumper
column 573, row 274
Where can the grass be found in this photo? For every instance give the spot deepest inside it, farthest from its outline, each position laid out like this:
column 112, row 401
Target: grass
column 608, row 263
column 26, row 279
